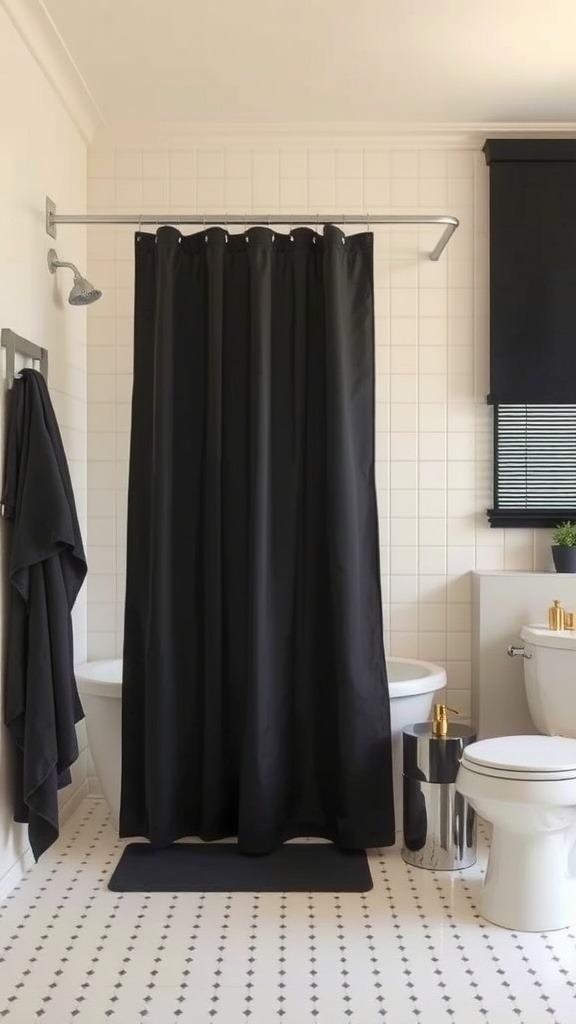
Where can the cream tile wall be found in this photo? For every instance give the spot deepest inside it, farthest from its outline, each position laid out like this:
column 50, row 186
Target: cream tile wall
column 433, row 445
column 41, row 152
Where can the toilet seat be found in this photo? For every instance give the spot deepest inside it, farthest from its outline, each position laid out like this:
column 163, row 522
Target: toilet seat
column 524, row 758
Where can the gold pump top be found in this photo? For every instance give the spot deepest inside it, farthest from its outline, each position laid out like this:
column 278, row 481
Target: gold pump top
column 440, row 722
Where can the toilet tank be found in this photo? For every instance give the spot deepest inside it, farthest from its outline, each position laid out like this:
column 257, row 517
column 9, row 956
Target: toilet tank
column 550, row 679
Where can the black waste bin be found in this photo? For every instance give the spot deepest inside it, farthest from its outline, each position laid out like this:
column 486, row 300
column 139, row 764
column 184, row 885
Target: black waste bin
column 439, row 824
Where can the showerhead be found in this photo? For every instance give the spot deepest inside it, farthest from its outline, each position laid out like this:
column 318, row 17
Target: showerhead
column 83, row 292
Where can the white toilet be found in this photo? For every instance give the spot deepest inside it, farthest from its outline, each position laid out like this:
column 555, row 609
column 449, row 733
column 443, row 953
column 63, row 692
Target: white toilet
column 525, row 786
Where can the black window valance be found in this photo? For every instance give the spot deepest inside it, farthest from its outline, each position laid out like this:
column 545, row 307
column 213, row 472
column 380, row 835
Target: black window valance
column 532, row 271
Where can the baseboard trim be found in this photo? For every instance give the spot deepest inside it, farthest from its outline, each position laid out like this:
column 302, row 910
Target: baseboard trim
column 68, row 808
column 16, row 873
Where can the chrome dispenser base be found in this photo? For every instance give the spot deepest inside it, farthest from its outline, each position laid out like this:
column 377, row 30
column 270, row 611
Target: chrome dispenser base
column 439, row 827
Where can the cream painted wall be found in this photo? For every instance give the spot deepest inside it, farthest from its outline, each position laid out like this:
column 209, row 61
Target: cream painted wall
column 41, row 152
column 433, row 427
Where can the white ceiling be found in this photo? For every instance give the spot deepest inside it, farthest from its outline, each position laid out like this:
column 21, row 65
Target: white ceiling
column 380, row 61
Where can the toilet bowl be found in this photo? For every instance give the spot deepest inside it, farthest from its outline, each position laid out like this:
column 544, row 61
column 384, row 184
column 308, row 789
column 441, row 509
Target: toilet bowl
column 526, row 787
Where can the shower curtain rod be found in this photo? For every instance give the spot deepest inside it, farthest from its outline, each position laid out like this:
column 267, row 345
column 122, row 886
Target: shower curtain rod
column 53, row 218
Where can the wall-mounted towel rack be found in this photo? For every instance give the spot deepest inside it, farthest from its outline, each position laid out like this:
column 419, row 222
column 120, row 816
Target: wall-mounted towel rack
column 14, row 346
column 449, row 223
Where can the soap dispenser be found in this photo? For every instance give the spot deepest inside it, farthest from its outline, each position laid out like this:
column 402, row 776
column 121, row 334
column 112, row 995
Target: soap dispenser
column 439, row 825
column 440, row 720
column 556, row 616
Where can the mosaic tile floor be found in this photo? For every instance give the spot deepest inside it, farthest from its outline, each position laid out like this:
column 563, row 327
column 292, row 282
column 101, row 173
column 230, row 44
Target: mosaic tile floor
column 411, row 950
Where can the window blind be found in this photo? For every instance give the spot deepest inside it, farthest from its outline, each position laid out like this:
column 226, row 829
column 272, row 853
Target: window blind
column 534, row 462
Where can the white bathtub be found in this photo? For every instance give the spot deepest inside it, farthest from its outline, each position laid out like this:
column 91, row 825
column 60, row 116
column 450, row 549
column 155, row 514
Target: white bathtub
column 412, row 686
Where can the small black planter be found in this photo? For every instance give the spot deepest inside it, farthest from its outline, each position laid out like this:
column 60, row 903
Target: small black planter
column 564, row 558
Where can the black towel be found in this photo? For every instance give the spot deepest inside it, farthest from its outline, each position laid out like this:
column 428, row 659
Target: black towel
column 47, row 568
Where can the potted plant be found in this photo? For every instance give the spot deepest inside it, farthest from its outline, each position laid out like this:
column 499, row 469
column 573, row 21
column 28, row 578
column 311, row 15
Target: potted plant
column 564, row 547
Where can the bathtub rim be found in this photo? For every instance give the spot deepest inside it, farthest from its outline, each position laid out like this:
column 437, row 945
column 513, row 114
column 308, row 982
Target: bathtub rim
column 89, row 681
column 432, row 677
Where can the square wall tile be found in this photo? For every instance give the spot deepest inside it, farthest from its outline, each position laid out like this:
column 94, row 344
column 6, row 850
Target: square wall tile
column 431, row 646
column 128, row 163
column 432, row 532
column 156, row 164
column 431, row 560
column 404, row 503
column 321, row 164
column 182, row 163
column 404, row 446
column 432, row 618
column 459, row 617
column 210, row 163
column 293, row 163
column 377, row 163
column 404, row 560
column 404, row 532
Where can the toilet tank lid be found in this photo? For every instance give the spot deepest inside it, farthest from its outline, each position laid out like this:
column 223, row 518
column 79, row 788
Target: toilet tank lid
column 541, row 636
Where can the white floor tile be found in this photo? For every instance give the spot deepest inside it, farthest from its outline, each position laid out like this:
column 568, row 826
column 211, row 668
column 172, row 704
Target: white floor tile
column 412, row 950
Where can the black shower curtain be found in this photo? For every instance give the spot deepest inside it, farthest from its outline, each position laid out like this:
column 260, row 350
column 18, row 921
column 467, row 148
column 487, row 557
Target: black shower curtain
column 255, row 698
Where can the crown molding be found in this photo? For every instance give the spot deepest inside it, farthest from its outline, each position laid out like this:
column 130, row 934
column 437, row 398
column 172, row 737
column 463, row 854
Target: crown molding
column 392, row 135
column 39, row 33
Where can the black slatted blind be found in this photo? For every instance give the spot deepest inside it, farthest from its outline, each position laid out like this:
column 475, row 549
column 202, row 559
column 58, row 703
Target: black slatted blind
column 535, row 457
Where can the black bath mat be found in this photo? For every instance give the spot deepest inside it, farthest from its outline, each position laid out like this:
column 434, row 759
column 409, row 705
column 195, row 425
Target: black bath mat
column 218, row 867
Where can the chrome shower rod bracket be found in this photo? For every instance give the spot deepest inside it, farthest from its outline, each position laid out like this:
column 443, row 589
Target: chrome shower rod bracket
column 204, row 220
column 50, row 217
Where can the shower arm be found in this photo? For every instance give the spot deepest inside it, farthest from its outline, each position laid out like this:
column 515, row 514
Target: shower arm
column 62, row 263
column 54, row 263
